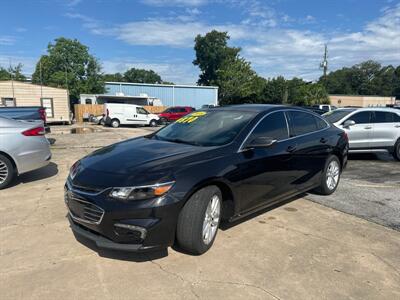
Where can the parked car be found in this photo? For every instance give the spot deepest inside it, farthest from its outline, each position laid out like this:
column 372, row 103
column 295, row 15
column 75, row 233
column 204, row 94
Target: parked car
column 179, row 182
column 26, row 113
column 128, row 114
column 23, row 148
column 315, row 109
column 174, row 113
column 325, row 107
column 369, row 129
column 98, row 120
column 205, row 106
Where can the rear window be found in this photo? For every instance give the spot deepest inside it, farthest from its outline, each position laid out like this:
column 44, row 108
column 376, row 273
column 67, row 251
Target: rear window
column 336, row 115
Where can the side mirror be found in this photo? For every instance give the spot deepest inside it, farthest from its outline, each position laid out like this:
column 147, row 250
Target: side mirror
column 349, row 123
column 261, row 142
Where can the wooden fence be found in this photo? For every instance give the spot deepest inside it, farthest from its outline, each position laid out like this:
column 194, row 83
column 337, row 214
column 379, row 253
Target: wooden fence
column 83, row 111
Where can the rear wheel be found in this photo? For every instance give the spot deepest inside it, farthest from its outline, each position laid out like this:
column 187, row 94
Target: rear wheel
column 7, row 172
column 396, row 152
column 199, row 220
column 330, row 177
column 115, row 123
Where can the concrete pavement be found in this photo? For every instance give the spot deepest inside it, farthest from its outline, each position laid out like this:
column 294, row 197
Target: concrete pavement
column 299, row 250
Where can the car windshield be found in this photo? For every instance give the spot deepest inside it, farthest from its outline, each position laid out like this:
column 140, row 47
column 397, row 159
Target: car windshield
column 336, row 115
column 206, row 128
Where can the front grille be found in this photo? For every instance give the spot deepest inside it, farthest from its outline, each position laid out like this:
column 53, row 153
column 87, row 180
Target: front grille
column 82, row 210
column 85, row 189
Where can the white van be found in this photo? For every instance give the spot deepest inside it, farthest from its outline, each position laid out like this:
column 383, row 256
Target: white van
column 128, row 114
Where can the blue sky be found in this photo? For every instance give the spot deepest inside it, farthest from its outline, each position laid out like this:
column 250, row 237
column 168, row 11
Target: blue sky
column 279, row 37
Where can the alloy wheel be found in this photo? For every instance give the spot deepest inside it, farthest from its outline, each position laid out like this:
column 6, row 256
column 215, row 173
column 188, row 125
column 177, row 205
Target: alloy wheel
column 3, row 172
column 332, row 175
column 211, row 219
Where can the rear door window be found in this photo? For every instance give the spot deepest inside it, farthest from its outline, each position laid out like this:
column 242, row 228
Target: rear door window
column 302, row 123
column 386, row 117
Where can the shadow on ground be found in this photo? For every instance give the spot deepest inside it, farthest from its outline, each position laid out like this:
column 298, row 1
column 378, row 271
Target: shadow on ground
column 46, row 172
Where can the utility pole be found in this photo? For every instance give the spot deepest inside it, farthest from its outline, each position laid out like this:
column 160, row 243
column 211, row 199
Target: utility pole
column 41, row 80
column 12, row 81
column 324, row 63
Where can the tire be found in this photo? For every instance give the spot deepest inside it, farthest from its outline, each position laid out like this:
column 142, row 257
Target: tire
column 192, row 234
column 7, row 172
column 115, row 123
column 396, row 152
column 330, row 177
column 153, row 123
column 163, row 121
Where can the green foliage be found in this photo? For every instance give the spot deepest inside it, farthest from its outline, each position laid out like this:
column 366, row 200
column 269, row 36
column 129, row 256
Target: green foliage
column 238, row 83
column 142, row 76
column 213, row 54
column 366, row 78
column 69, row 64
column 136, row 75
column 14, row 73
column 222, row 65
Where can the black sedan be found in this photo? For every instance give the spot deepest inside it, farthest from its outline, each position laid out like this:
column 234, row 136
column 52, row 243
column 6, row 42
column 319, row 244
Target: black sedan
column 178, row 183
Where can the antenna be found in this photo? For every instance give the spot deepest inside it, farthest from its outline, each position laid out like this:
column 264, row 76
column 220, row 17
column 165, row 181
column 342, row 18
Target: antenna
column 324, row 63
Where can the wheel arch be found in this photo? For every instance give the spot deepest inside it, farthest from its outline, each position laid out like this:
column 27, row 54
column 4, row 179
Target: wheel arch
column 229, row 200
column 12, row 160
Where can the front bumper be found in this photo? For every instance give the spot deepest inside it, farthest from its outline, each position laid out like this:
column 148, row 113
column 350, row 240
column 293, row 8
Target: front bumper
column 127, row 226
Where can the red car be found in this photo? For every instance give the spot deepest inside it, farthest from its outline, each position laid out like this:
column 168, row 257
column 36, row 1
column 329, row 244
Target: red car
column 174, row 113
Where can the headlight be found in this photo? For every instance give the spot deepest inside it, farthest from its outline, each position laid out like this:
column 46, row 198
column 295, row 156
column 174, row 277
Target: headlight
column 141, row 192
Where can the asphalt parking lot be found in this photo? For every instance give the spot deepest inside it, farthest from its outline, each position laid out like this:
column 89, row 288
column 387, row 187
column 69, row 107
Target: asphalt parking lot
column 308, row 248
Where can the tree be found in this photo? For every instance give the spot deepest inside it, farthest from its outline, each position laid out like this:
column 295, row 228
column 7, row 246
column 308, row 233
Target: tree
column 142, row 76
column 310, row 94
column 238, row 83
column 276, row 91
column 366, row 78
column 212, row 54
column 117, row 77
column 14, row 73
column 69, row 64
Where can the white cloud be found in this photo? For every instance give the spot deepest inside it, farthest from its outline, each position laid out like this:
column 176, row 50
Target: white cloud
column 178, row 72
column 6, row 40
column 71, row 3
column 271, row 50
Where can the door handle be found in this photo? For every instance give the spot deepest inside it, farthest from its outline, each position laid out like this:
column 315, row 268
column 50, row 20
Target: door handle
column 367, row 127
column 323, row 140
column 290, row 149
column 397, row 126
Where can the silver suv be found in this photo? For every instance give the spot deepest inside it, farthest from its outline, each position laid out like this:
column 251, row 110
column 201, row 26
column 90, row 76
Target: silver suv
column 369, row 129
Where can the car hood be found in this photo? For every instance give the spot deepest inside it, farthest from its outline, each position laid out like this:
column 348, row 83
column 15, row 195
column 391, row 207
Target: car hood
column 137, row 160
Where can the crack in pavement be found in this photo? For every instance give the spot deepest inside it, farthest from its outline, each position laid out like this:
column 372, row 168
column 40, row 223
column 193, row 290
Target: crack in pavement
column 192, row 284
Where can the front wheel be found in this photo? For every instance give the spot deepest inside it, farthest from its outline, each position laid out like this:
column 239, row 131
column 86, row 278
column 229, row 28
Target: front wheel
column 7, row 172
column 396, row 152
column 199, row 220
column 330, row 177
column 153, row 123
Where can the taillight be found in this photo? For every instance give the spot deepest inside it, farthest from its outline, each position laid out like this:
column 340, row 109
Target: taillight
column 42, row 113
column 38, row 131
column 346, row 137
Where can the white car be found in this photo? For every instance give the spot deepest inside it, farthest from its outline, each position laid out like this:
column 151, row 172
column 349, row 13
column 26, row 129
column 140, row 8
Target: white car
column 325, row 107
column 369, row 129
column 117, row 114
column 23, row 148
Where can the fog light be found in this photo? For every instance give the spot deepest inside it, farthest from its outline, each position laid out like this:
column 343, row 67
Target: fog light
column 130, row 227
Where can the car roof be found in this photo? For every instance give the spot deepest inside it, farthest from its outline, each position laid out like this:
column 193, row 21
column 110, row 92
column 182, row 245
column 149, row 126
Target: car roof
column 388, row 109
column 251, row 107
